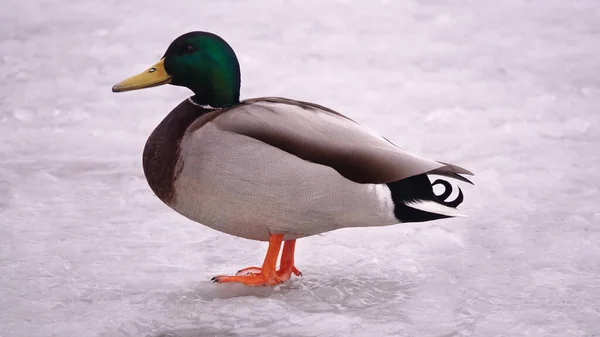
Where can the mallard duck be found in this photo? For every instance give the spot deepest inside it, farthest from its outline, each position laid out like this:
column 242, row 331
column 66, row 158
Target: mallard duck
column 275, row 169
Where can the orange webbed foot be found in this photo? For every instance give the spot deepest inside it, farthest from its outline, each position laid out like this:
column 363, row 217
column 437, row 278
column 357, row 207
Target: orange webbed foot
column 284, row 273
column 267, row 275
column 249, row 280
column 254, row 276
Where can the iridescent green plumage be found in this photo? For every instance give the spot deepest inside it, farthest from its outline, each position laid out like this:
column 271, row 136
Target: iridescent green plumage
column 206, row 64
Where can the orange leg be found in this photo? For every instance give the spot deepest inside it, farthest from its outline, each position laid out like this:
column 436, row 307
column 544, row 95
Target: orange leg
column 268, row 272
column 286, row 266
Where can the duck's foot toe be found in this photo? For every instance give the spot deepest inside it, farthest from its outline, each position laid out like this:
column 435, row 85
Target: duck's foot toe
column 284, row 273
column 249, row 280
column 249, row 271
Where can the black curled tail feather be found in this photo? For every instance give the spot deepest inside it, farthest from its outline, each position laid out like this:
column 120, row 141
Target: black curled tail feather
column 447, row 191
column 419, row 188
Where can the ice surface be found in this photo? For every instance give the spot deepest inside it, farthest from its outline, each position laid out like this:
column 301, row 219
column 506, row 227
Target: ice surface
column 509, row 89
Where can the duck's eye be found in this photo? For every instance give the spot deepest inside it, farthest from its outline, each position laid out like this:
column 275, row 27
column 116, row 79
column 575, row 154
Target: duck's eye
column 189, row 49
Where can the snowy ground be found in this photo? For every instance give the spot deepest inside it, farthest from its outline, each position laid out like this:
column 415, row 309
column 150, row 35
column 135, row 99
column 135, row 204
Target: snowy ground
column 509, row 89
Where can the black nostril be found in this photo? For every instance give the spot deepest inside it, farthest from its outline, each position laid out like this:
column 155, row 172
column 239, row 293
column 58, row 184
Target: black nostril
column 152, row 70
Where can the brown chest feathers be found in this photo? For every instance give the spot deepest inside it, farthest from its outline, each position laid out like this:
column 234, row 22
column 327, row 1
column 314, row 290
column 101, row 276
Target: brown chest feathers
column 161, row 160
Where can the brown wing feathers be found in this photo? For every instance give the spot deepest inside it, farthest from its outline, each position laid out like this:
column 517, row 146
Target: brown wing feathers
column 323, row 136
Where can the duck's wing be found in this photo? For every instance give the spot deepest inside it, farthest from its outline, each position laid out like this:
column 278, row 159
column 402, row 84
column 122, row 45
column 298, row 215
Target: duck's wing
column 320, row 135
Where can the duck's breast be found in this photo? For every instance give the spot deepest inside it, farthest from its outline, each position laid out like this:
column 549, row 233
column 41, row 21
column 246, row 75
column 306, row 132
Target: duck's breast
column 161, row 156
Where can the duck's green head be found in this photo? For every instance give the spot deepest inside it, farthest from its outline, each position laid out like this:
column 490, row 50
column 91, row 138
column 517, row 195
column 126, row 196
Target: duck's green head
column 200, row 61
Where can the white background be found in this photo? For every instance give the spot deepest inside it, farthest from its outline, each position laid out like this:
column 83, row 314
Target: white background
column 508, row 89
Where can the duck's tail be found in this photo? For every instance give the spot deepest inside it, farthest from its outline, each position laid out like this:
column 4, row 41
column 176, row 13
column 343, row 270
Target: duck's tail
column 414, row 200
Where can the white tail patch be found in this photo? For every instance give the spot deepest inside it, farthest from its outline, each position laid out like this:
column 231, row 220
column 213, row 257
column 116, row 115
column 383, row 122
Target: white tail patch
column 434, row 207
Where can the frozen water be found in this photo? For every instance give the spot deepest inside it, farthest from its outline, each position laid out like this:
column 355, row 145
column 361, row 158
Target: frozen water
column 509, row 89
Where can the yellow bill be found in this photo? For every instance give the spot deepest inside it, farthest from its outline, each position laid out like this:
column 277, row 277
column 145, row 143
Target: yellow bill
column 151, row 77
